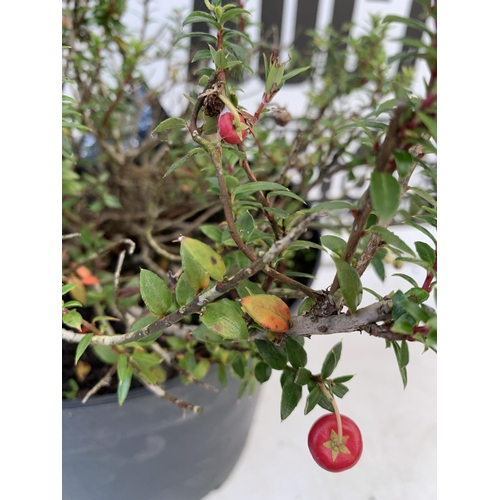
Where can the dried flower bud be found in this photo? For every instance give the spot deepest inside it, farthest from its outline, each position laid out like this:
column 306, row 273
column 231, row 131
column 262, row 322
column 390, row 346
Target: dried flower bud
column 282, row 117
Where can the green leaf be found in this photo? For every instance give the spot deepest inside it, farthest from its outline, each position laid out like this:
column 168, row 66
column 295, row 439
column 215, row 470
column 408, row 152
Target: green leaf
column 239, row 366
column 124, row 371
column 201, row 17
column 425, row 252
column 206, row 37
column 424, row 195
column 379, row 267
column 154, row 292
column 407, row 278
column 297, row 355
column 350, row 284
column 305, row 306
column 180, row 162
column 74, row 388
column 248, row 287
column 188, row 361
column 201, row 370
column 105, row 353
column 429, row 123
column 184, row 292
column 243, row 386
column 274, row 357
column 325, row 403
column 402, row 326
column 385, row 192
column 300, row 244
column 176, row 343
column 412, row 23
column 391, row 239
column 73, row 319
column 224, row 317
column 220, row 59
column 334, row 243
column 312, row 399
column 419, row 294
column 213, row 232
column 293, row 73
column 375, row 294
column 196, row 276
column 331, row 360
column 222, row 375
column 253, row 187
column 145, row 360
column 429, row 219
column 402, row 356
column 340, row 390
column 82, row 345
column 245, row 225
column 73, row 303
column 262, row 372
column 67, row 288
column 201, row 54
column 277, row 212
column 170, row 124
column 288, row 194
column 342, row 379
column 303, row 376
column 422, row 230
column 290, row 397
column 328, row 205
column 233, row 13
column 208, row 258
column 404, row 162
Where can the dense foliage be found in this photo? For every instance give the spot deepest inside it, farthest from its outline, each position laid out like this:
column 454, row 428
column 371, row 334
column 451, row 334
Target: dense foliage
column 180, row 249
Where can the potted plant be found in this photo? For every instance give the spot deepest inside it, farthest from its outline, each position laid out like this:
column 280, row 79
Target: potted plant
column 182, row 236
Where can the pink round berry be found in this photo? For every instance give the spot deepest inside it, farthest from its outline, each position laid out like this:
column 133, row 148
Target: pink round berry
column 226, row 128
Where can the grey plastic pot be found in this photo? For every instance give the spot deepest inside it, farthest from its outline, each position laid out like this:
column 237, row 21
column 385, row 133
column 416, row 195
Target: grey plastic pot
column 148, row 449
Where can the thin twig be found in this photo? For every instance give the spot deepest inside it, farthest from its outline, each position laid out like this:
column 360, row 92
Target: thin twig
column 365, row 208
column 104, row 382
column 158, row 391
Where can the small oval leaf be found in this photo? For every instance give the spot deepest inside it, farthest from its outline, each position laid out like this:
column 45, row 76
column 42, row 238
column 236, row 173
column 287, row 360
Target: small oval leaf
column 206, row 256
column 82, row 345
column 154, row 292
column 385, row 192
column 290, row 397
column 274, row 357
column 350, row 284
column 297, row 355
column 268, row 311
column 224, row 318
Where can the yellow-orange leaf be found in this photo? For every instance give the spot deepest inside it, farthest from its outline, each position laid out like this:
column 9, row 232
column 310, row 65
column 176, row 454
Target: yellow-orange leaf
column 268, row 311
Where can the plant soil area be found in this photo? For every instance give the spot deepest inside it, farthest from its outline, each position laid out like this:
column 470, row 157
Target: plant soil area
column 87, row 373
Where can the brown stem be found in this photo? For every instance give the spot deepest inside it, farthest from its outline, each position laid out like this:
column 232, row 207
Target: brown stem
column 260, row 195
column 103, row 382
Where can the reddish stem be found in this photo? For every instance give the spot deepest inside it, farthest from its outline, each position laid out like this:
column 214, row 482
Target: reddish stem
column 427, row 286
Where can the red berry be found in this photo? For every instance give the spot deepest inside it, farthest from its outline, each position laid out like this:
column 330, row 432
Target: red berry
column 325, row 448
column 226, row 128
